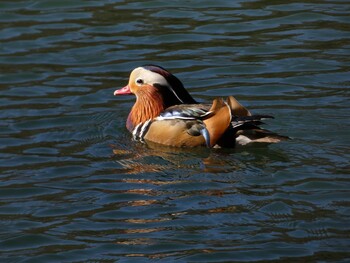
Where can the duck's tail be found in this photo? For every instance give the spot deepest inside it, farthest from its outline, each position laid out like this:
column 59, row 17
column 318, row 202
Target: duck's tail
column 244, row 127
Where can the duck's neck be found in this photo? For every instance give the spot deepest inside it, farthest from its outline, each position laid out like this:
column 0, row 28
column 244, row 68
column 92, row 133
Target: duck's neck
column 148, row 105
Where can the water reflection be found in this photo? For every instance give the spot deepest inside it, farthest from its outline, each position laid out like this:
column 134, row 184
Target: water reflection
column 138, row 158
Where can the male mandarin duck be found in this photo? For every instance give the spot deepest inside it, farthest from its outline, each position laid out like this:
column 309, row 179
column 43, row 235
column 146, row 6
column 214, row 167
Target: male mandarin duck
column 165, row 113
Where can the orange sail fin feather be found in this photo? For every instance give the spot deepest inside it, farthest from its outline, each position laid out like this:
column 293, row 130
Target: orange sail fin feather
column 219, row 122
column 165, row 113
column 237, row 108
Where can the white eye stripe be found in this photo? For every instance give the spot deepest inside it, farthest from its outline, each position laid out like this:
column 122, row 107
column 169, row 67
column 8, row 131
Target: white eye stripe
column 144, row 76
column 148, row 77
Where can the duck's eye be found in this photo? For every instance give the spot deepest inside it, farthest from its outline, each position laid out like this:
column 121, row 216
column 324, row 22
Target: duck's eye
column 139, row 81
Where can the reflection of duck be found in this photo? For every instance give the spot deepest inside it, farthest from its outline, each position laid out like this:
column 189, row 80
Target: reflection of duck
column 165, row 113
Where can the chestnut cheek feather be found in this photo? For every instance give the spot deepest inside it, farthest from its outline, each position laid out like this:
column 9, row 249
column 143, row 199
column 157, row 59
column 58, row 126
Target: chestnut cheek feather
column 149, row 104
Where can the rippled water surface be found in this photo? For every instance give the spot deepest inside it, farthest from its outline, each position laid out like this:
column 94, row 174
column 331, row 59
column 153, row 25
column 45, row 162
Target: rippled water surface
column 74, row 187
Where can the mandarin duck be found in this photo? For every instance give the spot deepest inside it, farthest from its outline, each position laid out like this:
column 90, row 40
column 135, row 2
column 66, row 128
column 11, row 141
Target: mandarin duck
column 165, row 113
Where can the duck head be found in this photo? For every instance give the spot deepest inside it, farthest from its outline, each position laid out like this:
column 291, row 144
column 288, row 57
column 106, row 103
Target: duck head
column 155, row 89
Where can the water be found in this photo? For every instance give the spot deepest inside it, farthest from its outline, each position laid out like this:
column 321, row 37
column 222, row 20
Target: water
column 75, row 188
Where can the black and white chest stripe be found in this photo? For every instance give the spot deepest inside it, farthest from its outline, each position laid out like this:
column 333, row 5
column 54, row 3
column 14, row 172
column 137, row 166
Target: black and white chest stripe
column 140, row 130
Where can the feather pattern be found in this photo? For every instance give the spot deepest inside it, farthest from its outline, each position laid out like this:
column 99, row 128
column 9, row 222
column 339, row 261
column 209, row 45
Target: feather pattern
column 185, row 111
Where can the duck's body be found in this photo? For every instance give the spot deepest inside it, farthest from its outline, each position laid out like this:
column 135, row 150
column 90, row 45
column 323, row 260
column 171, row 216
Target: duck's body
column 165, row 113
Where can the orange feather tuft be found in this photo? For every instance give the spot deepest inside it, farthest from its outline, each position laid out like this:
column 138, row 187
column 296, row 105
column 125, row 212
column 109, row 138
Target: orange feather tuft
column 218, row 123
column 149, row 104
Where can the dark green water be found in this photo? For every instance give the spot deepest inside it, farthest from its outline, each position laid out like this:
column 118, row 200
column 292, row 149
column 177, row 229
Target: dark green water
column 75, row 188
